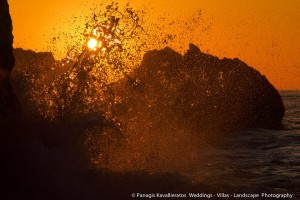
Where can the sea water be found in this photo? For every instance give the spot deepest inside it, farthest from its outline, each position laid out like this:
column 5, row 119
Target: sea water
column 257, row 160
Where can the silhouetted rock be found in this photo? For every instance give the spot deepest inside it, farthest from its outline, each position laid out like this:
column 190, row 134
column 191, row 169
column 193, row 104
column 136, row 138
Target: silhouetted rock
column 196, row 91
column 33, row 70
column 9, row 105
column 35, row 61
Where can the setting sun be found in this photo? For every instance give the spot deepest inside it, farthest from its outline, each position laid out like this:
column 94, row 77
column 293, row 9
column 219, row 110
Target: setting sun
column 93, row 44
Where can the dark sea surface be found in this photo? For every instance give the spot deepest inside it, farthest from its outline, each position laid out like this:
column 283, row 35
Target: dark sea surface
column 252, row 161
column 257, row 160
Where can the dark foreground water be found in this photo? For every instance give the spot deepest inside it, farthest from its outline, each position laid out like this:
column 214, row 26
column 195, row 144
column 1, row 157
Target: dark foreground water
column 251, row 161
column 44, row 162
column 258, row 160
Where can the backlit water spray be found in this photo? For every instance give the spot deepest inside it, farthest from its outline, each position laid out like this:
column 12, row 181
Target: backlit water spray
column 84, row 93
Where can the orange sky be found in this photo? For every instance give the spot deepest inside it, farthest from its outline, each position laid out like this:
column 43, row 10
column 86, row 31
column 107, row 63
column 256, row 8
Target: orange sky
column 264, row 34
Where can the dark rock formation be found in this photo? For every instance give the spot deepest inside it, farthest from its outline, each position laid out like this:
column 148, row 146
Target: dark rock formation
column 32, row 71
column 9, row 105
column 196, row 91
column 28, row 58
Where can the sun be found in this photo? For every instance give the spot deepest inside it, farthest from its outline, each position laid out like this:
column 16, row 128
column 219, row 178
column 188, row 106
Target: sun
column 92, row 44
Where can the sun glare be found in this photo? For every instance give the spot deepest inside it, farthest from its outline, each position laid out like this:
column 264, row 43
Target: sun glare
column 92, row 44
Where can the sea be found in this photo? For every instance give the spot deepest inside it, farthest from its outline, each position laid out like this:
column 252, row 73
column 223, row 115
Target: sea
column 258, row 160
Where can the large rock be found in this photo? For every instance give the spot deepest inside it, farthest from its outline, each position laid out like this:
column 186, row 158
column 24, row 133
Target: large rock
column 33, row 70
column 198, row 92
column 9, row 105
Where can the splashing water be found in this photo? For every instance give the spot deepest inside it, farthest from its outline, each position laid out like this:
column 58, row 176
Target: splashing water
column 111, row 45
column 114, row 44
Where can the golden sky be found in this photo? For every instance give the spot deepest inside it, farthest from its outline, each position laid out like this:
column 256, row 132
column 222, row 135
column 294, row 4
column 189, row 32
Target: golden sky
column 264, row 34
